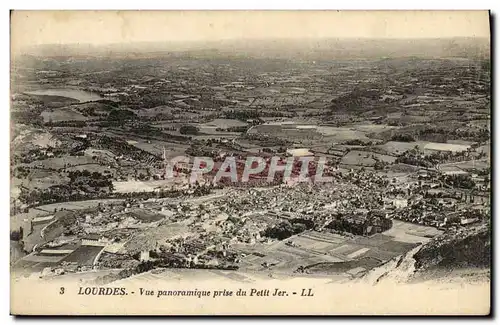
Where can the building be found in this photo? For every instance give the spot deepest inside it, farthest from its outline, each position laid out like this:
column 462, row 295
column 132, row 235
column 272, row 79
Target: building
column 145, row 256
column 400, row 203
column 299, row 152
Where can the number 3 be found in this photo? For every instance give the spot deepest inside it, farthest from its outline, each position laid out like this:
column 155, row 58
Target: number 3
column 61, row 292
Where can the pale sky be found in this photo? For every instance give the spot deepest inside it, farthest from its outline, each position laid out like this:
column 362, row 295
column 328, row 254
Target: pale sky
column 102, row 27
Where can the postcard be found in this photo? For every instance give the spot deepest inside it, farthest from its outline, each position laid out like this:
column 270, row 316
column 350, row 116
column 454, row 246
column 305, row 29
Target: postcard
column 250, row 163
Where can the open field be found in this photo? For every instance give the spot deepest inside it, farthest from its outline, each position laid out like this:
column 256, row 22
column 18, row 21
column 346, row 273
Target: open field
column 41, row 258
column 468, row 165
column 224, row 123
column 92, row 168
column 34, row 238
column 63, row 114
column 372, row 128
column 40, row 179
column 76, row 94
column 84, row 255
column 142, row 186
column 144, row 215
column 396, row 147
column 34, row 137
column 411, row 233
column 151, row 238
column 445, row 147
column 156, row 147
column 341, row 133
column 61, row 162
column 365, row 158
column 332, row 253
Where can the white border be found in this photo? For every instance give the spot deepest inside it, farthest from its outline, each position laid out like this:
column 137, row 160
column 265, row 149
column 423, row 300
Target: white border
column 256, row 4
column 200, row 4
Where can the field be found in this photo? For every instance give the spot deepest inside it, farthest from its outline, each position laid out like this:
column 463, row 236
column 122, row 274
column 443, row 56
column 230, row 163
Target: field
column 61, row 162
column 332, row 254
column 70, row 94
column 41, row 179
column 217, row 135
column 340, row 133
column 486, row 149
column 33, row 137
column 63, row 114
column 372, row 128
column 296, row 132
column 74, row 205
column 152, row 237
column 411, row 233
column 224, row 123
column 396, row 147
column 93, row 168
column 156, row 147
column 144, row 215
column 34, row 238
column 84, row 255
column 31, row 263
column 445, row 147
column 469, row 165
column 141, row 186
column 365, row 158
column 101, row 155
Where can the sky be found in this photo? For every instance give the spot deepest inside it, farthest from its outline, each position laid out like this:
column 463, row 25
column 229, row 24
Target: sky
column 104, row 27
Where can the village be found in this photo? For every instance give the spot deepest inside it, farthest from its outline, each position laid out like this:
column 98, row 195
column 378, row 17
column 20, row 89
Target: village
column 285, row 228
column 403, row 142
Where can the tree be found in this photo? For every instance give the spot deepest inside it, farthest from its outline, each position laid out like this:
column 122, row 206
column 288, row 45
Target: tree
column 120, row 115
column 189, row 129
column 16, row 234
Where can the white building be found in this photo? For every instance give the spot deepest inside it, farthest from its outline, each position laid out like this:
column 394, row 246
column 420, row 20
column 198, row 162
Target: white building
column 299, row 152
column 400, row 203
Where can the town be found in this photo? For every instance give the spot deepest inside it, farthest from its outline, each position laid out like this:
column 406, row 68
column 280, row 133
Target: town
column 98, row 190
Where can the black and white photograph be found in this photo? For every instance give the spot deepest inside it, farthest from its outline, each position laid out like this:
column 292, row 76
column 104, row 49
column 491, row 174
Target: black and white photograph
column 241, row 162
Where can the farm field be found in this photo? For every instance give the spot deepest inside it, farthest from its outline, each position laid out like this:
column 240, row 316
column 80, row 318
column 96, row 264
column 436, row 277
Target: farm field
column 411, row 233
column 73, row 205
column 93, row 168
column 445, row 147
column 34, row 238
column 149, row 239
column 142, row 186
column 365, row 158
column 341, row 133
column 469, row 165
column 372, row 128
column 63, row 114
column 61, row 162
column 75, row 94
column 155, row 147
column 332, row 253
column 396, row 147
column 84, row 255
column 144, row 215
column 223, row 123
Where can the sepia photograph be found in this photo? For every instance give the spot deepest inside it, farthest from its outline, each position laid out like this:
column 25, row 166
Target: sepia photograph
column 250, row 162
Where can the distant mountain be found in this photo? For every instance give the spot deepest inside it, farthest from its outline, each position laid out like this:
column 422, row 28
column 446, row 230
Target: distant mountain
column 313, row 49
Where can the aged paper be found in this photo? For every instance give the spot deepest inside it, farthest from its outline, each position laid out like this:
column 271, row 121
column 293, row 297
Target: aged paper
column 250, row 163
